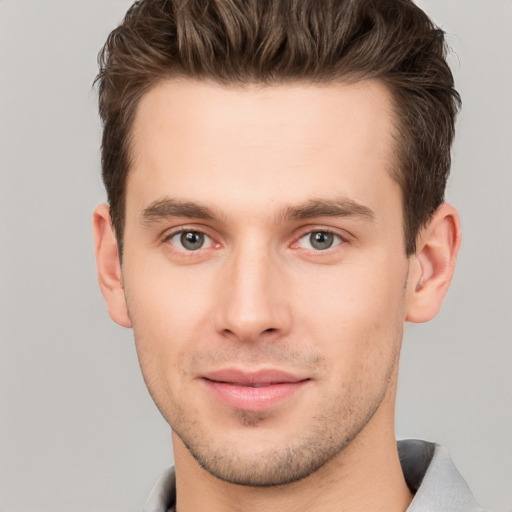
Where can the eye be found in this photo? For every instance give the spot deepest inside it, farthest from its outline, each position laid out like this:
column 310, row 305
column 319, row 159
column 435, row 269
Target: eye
column 319, row 240
column 190, row 240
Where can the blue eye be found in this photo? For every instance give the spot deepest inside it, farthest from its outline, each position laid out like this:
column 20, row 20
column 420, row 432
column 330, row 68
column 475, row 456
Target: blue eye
column 319, row 240
column 190, row 240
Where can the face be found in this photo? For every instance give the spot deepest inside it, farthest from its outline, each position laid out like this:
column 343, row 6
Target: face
column 264, row 270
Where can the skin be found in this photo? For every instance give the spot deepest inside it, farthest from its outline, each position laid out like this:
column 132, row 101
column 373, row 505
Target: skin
column 257, row 170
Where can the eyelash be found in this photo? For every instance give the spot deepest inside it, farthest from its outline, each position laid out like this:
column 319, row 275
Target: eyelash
column 168, row 238
column 338, row 240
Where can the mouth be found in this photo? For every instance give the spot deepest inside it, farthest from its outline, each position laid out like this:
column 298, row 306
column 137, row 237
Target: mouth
column 253, row 391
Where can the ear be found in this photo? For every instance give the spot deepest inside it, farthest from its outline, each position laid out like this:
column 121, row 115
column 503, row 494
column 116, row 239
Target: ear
column 109, row 266
column 431, row 268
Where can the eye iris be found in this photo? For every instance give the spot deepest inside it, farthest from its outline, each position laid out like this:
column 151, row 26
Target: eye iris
column 321, row 240
column 192, row 240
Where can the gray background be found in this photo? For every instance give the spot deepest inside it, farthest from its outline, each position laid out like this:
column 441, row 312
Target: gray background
column 78, row 431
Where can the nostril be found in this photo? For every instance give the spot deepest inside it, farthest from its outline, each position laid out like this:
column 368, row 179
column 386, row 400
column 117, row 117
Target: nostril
column 271, row 329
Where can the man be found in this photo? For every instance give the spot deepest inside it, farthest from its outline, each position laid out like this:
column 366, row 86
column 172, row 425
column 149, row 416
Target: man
column 275, row 174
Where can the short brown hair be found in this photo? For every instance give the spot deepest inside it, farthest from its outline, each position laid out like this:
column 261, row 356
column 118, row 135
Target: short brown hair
column 273, row 41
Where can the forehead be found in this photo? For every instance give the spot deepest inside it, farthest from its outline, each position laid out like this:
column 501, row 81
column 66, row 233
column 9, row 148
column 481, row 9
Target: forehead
column 275, row 144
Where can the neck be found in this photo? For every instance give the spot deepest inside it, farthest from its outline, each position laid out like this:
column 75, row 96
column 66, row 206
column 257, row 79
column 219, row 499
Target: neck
column 365, row 476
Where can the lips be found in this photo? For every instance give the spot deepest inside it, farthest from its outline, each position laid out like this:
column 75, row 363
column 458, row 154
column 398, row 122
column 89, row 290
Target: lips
column 253, row 391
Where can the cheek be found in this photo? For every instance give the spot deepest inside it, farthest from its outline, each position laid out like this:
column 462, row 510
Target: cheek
column 161, row 351
column 168, row 311
column 360, row 330
column 358, row 312
column 163, row 302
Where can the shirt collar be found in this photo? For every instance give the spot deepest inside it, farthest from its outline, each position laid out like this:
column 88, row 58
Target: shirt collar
column 433, row 478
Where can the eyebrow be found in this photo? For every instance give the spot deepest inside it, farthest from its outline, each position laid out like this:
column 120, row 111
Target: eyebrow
column 329, row 208
column 168, row 208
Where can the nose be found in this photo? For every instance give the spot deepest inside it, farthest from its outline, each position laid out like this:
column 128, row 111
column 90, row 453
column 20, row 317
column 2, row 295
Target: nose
column 252, row 303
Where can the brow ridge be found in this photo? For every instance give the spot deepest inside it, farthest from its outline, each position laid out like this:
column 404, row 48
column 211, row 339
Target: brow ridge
column 168, row 207
column 328, row 208
column 165, row 208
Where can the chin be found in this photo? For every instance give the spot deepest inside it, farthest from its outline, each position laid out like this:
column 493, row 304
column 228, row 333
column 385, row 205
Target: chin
column 260, row 453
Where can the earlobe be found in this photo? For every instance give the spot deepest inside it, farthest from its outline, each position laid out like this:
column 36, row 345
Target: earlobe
column 432, row 266
column 109, row 266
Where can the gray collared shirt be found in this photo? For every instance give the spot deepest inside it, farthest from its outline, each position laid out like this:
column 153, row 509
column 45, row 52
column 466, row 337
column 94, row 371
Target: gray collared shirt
column 433, row 478
column 428, row 471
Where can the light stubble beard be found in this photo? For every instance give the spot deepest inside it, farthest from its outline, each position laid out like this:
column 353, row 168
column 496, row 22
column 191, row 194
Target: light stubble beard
column 333, row 427
column 331, row 430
